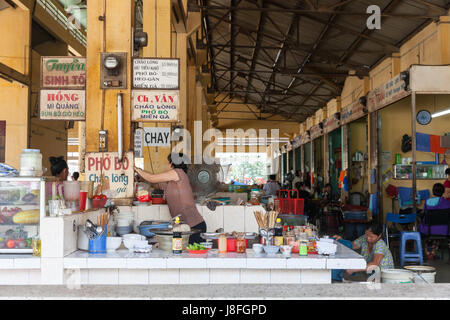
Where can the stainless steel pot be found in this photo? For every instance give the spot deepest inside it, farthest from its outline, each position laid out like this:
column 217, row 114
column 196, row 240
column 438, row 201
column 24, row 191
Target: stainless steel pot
column 82, row 241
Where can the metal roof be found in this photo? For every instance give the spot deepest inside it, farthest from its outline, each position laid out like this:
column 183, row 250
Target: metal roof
column 292, row 57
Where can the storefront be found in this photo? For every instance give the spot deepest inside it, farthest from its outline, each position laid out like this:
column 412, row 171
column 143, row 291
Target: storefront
column 333, row 136
column 408, row 158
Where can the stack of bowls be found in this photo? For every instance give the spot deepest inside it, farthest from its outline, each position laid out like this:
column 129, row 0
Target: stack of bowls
column 124, row 222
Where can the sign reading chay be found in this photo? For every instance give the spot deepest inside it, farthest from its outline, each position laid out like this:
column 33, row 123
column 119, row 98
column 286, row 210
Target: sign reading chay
column 62, row 95
column 156, row 137
column 154, row 106
column 114, row 175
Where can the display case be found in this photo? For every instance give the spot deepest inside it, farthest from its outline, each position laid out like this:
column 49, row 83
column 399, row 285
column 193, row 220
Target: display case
column 22, row 205
column 423, row 171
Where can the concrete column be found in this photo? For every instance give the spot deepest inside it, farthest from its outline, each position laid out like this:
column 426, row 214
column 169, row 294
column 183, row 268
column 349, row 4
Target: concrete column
column 444, row 37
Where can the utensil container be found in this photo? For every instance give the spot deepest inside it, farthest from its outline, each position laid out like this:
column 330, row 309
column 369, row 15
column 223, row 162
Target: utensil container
column 98, row 245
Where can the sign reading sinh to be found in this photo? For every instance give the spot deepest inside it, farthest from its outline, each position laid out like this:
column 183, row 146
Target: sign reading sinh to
column 63, row 72
column 155, row 105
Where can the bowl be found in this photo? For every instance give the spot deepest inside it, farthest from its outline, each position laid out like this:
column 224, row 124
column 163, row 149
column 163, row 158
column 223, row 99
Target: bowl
column 121, row 231
column 113, row 243
column 271, row 250
column 257, row 248
column 124, row 222
column 131, row 243
column 98, row 203
column 133, row 236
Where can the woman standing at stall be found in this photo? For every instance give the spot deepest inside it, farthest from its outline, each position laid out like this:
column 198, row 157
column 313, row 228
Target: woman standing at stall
column 178, row 193
column 59, row 170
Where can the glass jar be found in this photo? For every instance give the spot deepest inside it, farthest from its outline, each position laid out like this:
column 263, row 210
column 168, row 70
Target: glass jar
column 36, row 245
column 255, row 197
column 240, row 245
column 222, row 243
column 31, row 163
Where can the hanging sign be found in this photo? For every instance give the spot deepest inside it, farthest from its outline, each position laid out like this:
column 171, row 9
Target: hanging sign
column 138, row 138
column 388, row 93
column 154, row 105
column 156, row 73
column 62, row 104
column 297, row 142
column 63, row 72
column 331, row 123
column 156, row 137
column 315, row 132
column 352, row 112
column 115, row 176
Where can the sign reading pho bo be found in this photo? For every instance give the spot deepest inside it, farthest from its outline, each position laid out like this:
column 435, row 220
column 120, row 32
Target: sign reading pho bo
column 155, row 105
column 62, row 104
column 63, row 72
column 107, row 170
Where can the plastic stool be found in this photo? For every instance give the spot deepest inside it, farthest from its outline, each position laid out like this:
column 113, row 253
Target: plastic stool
column 410, row 256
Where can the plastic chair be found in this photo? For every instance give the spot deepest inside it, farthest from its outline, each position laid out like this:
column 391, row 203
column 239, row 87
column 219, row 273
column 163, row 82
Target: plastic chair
column 410, row 256
column 398, row 218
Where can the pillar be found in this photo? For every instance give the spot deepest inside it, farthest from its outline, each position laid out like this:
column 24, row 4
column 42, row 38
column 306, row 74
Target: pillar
column 444, row 38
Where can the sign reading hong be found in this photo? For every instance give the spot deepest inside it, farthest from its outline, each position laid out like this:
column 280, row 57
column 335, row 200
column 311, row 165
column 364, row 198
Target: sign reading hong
column 155, row 105
column 63, row 72
column 62, row 105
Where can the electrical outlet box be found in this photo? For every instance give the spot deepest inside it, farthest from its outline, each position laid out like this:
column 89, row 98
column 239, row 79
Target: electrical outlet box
column 113, row 70
column 103, row 141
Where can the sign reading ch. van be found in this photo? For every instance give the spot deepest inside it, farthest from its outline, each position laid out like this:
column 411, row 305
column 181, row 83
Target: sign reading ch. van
column 156, row 73
column 63, row 72
column 114, row 175
column 62, row 104
column 155, row 105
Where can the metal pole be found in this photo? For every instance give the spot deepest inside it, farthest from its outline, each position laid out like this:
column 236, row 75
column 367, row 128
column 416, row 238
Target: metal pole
column 119, row 126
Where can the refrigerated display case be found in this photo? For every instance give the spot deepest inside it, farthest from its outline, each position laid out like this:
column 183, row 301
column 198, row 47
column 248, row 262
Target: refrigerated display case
column 22, row 205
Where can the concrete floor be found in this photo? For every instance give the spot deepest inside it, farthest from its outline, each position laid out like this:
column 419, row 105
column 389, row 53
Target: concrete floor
column 352, row 291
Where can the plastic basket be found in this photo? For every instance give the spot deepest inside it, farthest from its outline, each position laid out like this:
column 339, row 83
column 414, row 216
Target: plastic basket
column 290, row 205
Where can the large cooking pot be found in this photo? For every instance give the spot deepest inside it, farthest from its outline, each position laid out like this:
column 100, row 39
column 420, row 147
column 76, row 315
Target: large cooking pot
column 165, row 236
column 146, row 226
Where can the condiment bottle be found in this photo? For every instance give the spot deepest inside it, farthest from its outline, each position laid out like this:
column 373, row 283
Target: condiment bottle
column 222, row 243
column 240, row 244
column 278, row 236
column 177, row 240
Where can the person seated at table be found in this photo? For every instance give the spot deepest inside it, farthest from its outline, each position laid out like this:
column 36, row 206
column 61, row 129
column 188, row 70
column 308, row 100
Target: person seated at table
column 302, row 191
column 438, row 201
column 272, row 187
column 373, row 249
column 447, row 184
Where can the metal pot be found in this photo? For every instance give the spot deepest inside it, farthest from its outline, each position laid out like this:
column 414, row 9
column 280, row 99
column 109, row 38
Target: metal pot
column 82, row 241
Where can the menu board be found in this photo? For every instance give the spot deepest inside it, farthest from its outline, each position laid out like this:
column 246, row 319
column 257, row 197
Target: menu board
column 156, row 73
column 63, row 72
column 115, row 176
column 388, row 93
column 149, row 105
column 315, row 132
column 330, row 124
column 62, row 104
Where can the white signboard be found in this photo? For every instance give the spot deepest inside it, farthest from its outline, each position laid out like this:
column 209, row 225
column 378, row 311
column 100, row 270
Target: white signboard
column 62, row 104
column 106, row 169
column 138, row 143
column 155, row 105
column 157, row 137
column 155, row 73
column 63, row 72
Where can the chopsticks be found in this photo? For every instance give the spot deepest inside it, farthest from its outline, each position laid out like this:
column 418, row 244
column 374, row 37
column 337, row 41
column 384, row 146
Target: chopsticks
column 265, row 220
column 103, row 219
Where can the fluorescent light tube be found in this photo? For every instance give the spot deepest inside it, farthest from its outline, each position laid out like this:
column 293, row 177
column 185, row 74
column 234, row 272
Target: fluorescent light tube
column 442, row 113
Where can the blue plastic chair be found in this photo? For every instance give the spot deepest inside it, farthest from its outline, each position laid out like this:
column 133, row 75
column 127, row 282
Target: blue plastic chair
column 410, row 256
column 398, row 218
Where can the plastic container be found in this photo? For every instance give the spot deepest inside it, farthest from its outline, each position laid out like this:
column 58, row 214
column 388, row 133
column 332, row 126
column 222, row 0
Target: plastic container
column 31, row 163
column 422, row 274
column 396, row 276
column 98, row 245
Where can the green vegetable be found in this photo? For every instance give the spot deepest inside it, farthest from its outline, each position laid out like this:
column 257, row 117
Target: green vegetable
column 195, row 246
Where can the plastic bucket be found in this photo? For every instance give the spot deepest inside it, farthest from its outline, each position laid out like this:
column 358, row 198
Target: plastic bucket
column 98, row 245
column 422, row 274
column 396, row 276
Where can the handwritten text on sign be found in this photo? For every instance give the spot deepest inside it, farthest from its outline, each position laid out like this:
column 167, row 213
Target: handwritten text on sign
column 62, row 104
column 63, row 72
column 151, row 73
column 118, row 176
column 154, row 105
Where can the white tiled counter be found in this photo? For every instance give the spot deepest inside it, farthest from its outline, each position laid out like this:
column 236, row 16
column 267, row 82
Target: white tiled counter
column 159, row 267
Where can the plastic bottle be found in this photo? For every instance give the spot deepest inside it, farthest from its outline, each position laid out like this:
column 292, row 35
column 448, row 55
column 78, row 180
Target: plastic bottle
column 177, row 240
column 278, row 233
